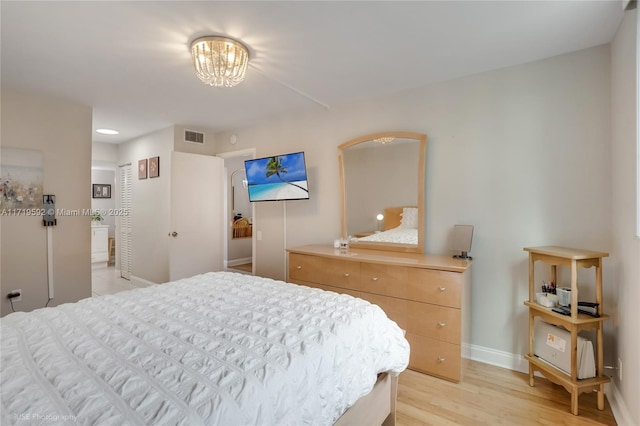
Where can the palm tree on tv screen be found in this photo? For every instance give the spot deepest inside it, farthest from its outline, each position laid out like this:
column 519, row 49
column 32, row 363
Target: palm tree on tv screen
column 275, row 167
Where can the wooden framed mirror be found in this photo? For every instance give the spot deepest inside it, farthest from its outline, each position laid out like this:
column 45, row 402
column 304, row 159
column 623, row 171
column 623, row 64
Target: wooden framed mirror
column 383, row 177
column 241, row 226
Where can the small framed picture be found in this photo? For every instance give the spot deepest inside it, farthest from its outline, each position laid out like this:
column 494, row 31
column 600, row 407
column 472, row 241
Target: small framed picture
column 154, row 167
column 142, row 169
column 101, row 190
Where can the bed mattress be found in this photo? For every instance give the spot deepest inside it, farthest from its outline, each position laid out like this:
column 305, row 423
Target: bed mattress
column 218, row 348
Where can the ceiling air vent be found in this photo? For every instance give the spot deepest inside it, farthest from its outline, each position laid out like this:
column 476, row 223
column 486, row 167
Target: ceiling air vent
column 194, row 137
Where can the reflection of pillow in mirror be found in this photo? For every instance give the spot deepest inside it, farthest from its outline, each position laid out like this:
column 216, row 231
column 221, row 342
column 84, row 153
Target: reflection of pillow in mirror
column 409, row 217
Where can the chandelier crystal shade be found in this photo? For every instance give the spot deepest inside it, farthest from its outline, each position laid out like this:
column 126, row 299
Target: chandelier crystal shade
column 219, row 61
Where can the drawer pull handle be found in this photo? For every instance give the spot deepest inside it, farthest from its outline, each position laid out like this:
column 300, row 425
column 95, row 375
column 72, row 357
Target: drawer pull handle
column 442, row 288
column 441, row 324
column 298, row 267
column 440, row 359
column 346, row 274
column 374, row 278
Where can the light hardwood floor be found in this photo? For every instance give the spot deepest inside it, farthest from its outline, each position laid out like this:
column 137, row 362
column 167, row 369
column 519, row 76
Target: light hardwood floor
column 489, row 395
column 245, row 267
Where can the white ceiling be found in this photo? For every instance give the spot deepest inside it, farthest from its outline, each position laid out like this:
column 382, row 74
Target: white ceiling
column 131, row 62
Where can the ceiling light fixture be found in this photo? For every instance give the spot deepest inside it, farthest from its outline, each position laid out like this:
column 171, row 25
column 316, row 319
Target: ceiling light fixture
column 219, row 61
column 107, row 131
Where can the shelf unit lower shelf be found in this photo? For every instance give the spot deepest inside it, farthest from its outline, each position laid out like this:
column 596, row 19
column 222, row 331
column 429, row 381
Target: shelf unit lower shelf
column 559, row 377
column 572, row 324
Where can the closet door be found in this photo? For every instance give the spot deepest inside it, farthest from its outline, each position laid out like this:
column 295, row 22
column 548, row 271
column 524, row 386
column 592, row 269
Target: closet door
column 197, row 215
column 124, row 227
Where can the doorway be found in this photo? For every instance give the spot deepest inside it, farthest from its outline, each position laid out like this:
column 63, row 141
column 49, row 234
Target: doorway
column 239, row 214
column 106, row 192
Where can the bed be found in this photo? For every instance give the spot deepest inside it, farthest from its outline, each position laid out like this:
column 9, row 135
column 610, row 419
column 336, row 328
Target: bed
column 400, row 227
column 215, row 349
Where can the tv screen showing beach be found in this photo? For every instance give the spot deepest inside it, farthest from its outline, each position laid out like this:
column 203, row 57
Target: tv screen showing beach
column 281, row 177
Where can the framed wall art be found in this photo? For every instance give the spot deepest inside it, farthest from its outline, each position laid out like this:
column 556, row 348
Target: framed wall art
column 101, row 190
column 142, row 169
column 154, row 167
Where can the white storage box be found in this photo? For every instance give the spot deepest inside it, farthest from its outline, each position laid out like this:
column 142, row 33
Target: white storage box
column 547, row 300
column 553, row 345
column 564, row 296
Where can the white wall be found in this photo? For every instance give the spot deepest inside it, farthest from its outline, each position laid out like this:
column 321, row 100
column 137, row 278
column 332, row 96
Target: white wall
column 626, row 247
column 522, row 153
column 62, row 131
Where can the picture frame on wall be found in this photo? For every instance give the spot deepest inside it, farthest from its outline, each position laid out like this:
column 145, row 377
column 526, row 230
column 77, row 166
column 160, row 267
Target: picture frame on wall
column 154, row 167
column 101, row 190
column 142, row 169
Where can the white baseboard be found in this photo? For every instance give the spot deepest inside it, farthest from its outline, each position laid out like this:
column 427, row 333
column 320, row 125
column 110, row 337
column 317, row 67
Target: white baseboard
column 140, row 282
column 240, row 261
column 495, row 357
column 519, row 363
column 618, row 407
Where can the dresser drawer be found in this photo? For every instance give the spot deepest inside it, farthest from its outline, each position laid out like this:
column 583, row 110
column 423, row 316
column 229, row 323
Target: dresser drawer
column 433, row 321
column 329, row 288
column 387, row 280
column 437, row 287
column 396, row 309
column 421, row 319
column 321, row 270
column 435, row 357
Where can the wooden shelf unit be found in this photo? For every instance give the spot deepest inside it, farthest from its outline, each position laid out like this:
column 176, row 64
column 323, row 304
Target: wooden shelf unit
column 573, row 259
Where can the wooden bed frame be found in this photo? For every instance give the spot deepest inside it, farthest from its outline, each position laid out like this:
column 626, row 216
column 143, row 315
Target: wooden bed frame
column 378, row 407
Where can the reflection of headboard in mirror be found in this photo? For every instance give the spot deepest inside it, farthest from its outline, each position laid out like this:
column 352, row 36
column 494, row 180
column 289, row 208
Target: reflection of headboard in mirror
column 393, row 216
column 383, row 173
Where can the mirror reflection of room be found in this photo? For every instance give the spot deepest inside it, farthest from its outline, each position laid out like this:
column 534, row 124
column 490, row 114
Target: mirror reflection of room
column 382, row 179
column 241, row 224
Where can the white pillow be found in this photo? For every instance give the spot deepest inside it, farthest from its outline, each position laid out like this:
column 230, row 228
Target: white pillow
column 409, row 218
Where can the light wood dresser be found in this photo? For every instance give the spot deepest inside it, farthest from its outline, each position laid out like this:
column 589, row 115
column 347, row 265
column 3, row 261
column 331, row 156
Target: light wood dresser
column 426, row 295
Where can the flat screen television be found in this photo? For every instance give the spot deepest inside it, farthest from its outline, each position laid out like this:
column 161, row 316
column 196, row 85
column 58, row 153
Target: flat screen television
column 277, row 178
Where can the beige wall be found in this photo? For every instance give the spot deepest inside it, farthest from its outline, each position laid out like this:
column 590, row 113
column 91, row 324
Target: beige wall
column 180, row 145
column 62, row 131
column 150, row 205
column 104, row 153
column 626, row 247
column 522, row 153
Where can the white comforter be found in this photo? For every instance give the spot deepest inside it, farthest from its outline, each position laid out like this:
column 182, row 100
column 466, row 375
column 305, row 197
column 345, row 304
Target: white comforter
column 395, row 235
column 218, row 348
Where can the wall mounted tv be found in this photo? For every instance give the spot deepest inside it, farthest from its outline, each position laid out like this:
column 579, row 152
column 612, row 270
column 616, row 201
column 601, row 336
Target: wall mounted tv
column 277, row 178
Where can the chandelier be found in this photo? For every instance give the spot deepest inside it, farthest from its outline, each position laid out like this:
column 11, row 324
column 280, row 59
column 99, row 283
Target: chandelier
column 219, row 61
